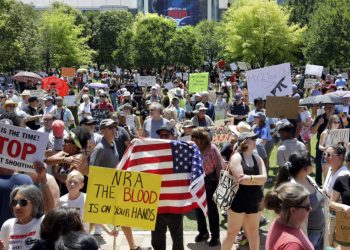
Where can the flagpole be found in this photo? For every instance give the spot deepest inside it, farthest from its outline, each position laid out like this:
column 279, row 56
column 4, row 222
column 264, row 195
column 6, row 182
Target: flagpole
column 114, row 239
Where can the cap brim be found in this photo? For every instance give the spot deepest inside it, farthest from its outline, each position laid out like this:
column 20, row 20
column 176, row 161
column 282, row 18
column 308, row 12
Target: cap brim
column 233, row 129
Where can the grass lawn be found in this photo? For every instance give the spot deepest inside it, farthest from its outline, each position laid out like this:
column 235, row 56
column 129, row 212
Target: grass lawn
column 190, row 223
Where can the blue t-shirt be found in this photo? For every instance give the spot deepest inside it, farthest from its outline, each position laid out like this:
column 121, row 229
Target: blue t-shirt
column 340, row 82
column 264, row 133
column 7, row 183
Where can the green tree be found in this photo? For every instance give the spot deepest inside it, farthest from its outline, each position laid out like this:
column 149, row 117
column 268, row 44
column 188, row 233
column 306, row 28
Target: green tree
column 151, row 40
column 123, row 54
column 18, row 36
column 327, row 40
column 61, row 41
column 257, row 32
column 108, row 25
column 184, row 48
column 301, row 11
column 207, row 36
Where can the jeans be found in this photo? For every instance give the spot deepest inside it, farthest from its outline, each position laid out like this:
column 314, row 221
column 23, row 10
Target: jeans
column 175, row 224
column 114, row 99
column 316, row 238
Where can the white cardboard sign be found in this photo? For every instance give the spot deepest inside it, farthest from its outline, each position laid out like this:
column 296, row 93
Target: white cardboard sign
column 146, row 80
column 269, row 81
column 313, row 70
column 20, row 147
column 233, row 66
column 69, row 100
column 309, row 83
column 339, row 135
column 169, row 85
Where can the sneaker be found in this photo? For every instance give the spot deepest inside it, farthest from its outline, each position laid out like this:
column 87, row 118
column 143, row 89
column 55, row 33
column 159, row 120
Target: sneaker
column 201, row 237
column 240, row 236
column 263, row 221
column 214, row 242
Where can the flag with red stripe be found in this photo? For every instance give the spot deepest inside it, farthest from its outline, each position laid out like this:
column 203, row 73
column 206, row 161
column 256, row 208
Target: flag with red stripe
column 181, row 167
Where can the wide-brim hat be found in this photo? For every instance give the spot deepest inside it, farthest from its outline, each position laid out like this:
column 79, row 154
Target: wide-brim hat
column 10, row 102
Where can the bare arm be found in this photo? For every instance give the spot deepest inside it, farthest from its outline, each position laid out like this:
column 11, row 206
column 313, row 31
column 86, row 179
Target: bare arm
column 48, row 199
column 321, row 145
column 337, row 205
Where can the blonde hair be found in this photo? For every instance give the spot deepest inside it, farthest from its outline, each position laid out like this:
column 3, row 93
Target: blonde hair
column 77, row 174
column 170, row 113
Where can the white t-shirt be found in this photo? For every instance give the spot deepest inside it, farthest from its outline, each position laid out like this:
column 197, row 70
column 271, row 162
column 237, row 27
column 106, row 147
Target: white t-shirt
column 331, row 177
column 17, row 236
column 78, row 204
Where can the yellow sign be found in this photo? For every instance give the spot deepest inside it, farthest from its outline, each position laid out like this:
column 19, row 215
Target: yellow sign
column 123, row 198
column 198, row 82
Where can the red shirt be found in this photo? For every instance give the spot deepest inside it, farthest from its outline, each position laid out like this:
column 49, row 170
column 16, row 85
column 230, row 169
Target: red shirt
column 106, row 105
column 281, row 237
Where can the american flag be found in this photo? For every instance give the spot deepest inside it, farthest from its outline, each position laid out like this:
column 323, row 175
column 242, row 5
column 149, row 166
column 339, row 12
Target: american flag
column 181, row 167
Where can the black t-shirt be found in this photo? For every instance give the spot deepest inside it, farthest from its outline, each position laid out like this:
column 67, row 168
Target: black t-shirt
column 121, row 137
column 342, row 185
column 322, row 126
column 239, row 109
column 32, row 124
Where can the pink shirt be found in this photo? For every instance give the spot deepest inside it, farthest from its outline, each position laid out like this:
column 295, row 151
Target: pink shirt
column 212, row 160
column 281, row 237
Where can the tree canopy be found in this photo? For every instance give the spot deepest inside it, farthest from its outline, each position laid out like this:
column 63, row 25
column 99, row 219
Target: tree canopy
column 327, row 40
column 257, row 31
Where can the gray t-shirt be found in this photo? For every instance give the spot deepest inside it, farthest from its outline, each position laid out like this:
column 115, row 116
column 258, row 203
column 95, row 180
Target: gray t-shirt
column 286, row 148
column 104, row 155
column 150, row 126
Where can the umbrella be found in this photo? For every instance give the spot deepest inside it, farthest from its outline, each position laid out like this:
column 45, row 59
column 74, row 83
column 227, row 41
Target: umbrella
column 60, row 85
column 82, row 70
column 342, row 94
column 330, row 98
column 25, row 76
column 96, row 85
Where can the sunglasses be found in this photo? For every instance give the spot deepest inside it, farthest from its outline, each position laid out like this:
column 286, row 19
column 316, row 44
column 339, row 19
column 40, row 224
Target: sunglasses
column 21, row 202
column 337, row 122
column 307, row 207
column 10, row 106
column 67, row 141
column 328, row 155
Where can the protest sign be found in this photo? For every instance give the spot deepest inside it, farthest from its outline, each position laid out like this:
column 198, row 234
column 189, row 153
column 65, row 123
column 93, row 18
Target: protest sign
column 269, row 81
column 198, row 82
column 146, row 81
column 185, row 138
column 282, row 107
column 233, row 66
column 185, row 76
column 221, row 132
column 118, row 71
column 179, row 75
column 309, row 83
column 242, row 65
column 339, row 135
column 40, row 93
column 228, row 73
column 20, row 147
column 69, row 100
column 342, row 230
column 315, row 70
column 169, row 85
column 124, row 198
column 99, row 114
column 69, row 72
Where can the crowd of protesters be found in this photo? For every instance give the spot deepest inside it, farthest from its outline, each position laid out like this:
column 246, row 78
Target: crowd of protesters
column 30, row 204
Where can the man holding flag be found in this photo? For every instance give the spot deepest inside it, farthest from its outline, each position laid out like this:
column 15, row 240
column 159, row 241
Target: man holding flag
column 182, row 188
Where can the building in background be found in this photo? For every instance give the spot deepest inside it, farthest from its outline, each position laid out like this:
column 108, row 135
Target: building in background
column 183, row 12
